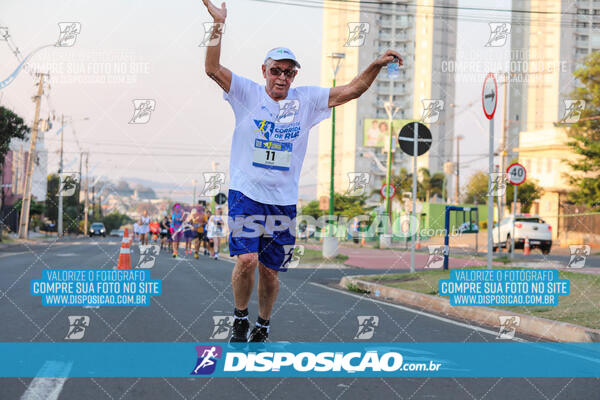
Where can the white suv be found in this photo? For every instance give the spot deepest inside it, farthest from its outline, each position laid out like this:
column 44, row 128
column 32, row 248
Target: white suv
column 534, row 228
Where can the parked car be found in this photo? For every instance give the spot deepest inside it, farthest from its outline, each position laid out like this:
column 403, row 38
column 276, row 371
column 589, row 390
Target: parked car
column 532, row 227
column 97, row 229
column 117, row 232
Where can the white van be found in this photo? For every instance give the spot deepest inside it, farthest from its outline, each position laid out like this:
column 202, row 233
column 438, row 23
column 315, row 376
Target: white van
column 528, row 226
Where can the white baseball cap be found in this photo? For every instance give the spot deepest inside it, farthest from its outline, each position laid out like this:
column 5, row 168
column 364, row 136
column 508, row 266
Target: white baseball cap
column 282, row 53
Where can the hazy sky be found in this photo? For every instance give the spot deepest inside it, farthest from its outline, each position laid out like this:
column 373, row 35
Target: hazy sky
column 149, row 50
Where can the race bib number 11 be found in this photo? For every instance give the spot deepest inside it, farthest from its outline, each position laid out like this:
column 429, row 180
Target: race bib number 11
column 272, row 155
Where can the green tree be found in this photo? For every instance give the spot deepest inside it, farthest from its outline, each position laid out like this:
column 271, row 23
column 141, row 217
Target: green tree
column 348, row 206
column 430, row 185
column 72, row 209
column 115, row 220
column 477, row 189
column 584, row 136
column 527, row 193
column 11, row 127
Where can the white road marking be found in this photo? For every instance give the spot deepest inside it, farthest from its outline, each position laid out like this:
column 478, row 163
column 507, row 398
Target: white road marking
column 14, row 254
column 433, row 316
column 47, row 388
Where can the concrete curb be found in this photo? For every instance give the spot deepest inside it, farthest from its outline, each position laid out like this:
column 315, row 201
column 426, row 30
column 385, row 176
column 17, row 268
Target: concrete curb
column 533, row 326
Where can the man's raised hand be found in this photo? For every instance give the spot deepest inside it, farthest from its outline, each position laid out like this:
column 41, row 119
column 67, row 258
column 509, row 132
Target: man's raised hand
column 218, row 14
column 388, row 57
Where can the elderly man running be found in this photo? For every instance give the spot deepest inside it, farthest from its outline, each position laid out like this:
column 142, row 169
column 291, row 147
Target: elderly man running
column 267, row 151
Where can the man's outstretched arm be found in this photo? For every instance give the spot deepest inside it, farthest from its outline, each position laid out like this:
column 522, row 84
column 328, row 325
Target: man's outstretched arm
column 212, row 65
column 353, row 90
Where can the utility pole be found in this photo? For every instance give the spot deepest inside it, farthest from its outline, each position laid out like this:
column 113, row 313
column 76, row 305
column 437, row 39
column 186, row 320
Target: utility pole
column 457, row 189
column 26, row 203
column 194, row 197
column 86, row 203
column 502, row 198
column 59, row 230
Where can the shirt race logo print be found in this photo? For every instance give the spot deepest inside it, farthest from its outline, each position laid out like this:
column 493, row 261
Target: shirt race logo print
column 148, row 254
column 288, row 109
column 265, row 128
column 431, row 110
column 77, row 325
column 68, row 33
column 573, row 109
column 436, row 257
column 68, row 183
column 508, row 326
column 499, row 32
column 142, row 110
column 366, row 326
column 222, row 327
column 357, row 33
column 579, row 254
column 207, row 359
column 358, row 183
column 212, row 183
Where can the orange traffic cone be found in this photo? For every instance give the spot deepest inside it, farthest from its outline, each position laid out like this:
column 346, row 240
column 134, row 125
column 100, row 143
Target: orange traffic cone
column 526, row 247
column 125, row 254
column 418, row 244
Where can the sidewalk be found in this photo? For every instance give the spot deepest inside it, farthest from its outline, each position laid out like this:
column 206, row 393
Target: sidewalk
column 395, row 259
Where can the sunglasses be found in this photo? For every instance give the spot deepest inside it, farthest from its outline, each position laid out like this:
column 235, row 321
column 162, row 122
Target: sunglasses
column 289, row 73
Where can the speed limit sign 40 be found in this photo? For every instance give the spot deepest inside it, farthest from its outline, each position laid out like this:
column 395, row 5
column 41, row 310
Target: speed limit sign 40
column 516, row 173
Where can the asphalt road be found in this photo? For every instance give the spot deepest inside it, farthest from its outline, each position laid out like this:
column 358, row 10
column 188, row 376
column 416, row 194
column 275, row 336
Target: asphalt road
column 194, row 291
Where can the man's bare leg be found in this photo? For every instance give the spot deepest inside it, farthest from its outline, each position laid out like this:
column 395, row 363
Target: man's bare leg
column 242, row 279
column 268, row 288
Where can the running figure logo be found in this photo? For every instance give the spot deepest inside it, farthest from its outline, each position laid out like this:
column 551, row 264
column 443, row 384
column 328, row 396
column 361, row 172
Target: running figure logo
column 142, row 110
column 498, row 183
column 431, row 110
column 358, row 183
column 4, row 34
column 148, row 254
column 212, row 34
column 578, row 255
column 207, row 359
column 499, row 32
column 573, row 109
column 77, row 325
column 68, row 33
column 223, row 324
column 287, row 111
column 212, row 183
column 508, row 326
column 68, row 184
column 293, row 254
column 366, row 326
column 357, row 33
column 265, row 128
column 436, row 257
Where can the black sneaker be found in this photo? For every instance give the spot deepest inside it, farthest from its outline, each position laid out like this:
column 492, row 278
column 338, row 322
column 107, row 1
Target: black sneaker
column 240, row 330
column 259, row 334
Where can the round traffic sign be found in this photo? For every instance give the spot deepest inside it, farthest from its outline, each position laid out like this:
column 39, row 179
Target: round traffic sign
column 489, row 95
column 516, row 173
column 384, row 190
column 406, row 139
column 220, row 198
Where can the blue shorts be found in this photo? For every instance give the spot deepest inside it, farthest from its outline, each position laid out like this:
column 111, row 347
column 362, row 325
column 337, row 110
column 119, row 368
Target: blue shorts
column 274, row 245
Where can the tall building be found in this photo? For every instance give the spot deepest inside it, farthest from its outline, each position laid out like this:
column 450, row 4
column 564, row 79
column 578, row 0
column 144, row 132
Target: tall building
column 424, row 35
column 549, row 41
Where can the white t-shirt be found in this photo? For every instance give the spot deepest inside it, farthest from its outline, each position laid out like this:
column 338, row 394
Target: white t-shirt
column 270, row 138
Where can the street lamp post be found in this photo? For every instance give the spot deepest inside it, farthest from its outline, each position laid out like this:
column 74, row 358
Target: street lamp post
column 385, row 240
column 330, row 242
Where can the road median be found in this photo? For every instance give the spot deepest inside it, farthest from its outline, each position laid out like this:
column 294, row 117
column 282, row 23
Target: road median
column 529, row 325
